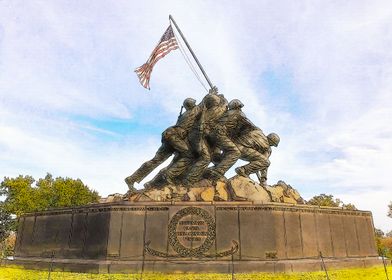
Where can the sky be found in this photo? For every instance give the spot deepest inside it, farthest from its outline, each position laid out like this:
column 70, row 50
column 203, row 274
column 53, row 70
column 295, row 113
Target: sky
column 318, row 73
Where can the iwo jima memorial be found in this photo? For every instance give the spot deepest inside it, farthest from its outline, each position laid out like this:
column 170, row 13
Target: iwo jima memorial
column 190, row 217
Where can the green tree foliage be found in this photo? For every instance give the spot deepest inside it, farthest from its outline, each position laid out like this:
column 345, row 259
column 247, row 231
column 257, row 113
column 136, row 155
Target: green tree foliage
column 349, row 206
column 386, row 245
column 324, row 200
column 21, row 196
column 383, row 243
column 63, row 192
column 6, row 222
column 329, row 200
column 7, row 245
column 379, row 235
column 390, row 210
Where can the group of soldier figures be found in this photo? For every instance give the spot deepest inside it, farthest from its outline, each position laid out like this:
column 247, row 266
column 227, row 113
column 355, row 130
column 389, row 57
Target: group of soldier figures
column 214, row 131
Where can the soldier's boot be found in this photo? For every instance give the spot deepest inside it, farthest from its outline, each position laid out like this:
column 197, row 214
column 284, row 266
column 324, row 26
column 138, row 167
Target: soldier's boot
column 263, row 182
column 148, row 186
column 157, row 182
column 262, row 176
column 212, row 174
column 241, row 172
column 130, row 181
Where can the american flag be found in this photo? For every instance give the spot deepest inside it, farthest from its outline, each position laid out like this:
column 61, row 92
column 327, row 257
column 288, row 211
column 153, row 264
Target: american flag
column 167, row 43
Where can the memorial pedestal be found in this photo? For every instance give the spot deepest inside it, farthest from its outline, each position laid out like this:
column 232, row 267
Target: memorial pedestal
column 195, row 237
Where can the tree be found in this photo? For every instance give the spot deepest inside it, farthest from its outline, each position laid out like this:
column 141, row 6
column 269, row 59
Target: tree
column 7, row 245
column 6, row 222
column 386, row 245
column 329, row 200
column 19, row 194
column 324, row 200
column 390, row 210
column 383, row 243
column 349, row 206
column 22, row 197
column 63, row 192
column 379, row 235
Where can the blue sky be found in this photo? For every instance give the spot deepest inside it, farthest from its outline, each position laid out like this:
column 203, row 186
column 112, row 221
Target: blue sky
column 317, row 73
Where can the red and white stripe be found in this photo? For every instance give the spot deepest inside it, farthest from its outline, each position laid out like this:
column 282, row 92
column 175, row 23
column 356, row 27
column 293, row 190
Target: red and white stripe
column 167, row 43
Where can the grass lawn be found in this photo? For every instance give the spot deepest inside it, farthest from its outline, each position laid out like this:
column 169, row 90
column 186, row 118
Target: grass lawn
column 374, row 273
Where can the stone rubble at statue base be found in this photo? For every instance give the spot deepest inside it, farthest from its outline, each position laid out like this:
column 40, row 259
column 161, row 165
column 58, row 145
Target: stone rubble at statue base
column 237, row 188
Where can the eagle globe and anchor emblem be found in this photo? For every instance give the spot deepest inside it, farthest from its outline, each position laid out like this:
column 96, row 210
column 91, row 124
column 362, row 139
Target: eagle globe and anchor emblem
column 191, row 233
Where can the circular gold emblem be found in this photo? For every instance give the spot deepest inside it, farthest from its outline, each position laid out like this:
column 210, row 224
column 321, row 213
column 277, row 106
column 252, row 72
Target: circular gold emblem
column 191, row 232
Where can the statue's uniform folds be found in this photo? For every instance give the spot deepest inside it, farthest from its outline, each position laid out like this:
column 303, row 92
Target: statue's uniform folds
column 214, row 131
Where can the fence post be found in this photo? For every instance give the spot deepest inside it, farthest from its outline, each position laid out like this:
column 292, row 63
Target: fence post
column 51, row 265
column 144, row 256
column 323, row 265
column 232, row 267
column 383, row 262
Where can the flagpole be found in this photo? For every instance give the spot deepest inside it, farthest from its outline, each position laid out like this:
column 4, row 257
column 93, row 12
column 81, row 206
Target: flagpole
column 191, row 51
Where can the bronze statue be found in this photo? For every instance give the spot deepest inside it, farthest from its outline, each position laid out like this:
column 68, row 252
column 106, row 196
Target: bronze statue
column 174, row 140
column 213, row 131
column 255, row 148
column 201, row 137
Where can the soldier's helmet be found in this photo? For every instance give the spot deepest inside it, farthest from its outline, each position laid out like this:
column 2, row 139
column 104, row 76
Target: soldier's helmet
column 211, row 100
column 189, row 103
column 273, row 139
column 235, row 104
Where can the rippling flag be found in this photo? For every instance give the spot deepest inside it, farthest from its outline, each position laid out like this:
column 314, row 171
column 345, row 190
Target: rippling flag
column 167, row 43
